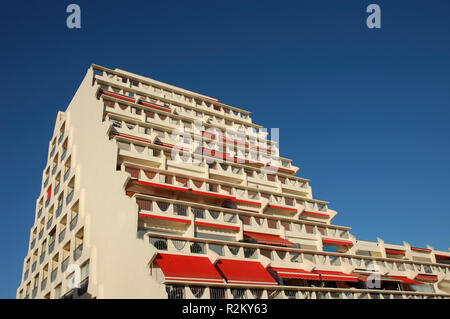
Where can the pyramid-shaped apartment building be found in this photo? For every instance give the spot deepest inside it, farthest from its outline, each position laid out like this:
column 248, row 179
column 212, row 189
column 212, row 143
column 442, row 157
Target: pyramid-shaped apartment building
column 153, row 191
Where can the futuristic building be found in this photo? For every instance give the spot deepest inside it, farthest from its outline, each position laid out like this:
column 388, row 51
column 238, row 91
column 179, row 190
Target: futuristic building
column 153, row 191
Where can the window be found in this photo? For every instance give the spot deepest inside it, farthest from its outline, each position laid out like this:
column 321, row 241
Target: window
column 58, row 291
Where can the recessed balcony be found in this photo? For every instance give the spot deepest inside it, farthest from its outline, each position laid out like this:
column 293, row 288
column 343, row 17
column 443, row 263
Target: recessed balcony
column 227, row 173
column 127, row 111
column 296, row 187
column 141, row 155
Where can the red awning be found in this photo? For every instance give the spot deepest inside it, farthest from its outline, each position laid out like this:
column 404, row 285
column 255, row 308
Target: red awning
column 335, row 275
column 406, row 280
column 188, row 268
column 245, row 272
column 337, row 241
column 294, row 273
column 269, row 239
column 426, row 277
column 394, row 251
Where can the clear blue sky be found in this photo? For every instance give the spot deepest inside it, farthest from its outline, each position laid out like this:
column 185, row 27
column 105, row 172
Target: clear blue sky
column 364, row 113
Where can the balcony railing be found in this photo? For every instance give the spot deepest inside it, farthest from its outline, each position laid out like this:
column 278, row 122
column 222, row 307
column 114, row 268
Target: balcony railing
column 77, row 252
column 49, row 223
column 66, row 174
column 69, row 197
column 64, row 264
column 73, row 222
column 53, row 275
column 61, row 235
column 191, row 292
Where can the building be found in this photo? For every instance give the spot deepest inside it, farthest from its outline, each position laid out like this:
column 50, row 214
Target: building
column 228, row 219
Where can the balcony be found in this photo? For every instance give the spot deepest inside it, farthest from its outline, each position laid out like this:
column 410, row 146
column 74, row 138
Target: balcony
column 61, row 235
column 53, row 275
column 227, row 173
column 73, row 222
column 262, row 181
column 142, row 155
column 49, row 223
column 77, row 252
column 126, row 111
column 216, row 219
column 69, row 197
column 295, row 187
column 43, row 284
column 64, row 264
column 66, row 174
